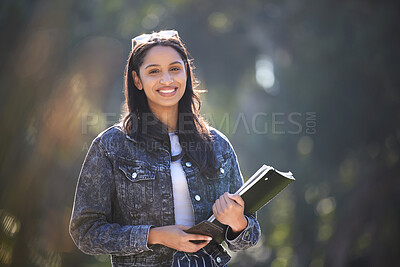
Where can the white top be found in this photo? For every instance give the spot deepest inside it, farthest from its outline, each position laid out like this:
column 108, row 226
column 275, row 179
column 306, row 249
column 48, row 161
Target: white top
column 183, row 206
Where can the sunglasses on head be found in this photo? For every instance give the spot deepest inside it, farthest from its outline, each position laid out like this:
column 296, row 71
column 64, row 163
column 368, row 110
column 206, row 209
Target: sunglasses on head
column 144, row 38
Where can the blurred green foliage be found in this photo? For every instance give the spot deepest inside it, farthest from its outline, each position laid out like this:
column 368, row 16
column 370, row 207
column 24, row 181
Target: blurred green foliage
column 332, row 117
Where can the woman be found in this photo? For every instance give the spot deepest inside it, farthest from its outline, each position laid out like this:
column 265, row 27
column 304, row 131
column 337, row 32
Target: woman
column 160, row 171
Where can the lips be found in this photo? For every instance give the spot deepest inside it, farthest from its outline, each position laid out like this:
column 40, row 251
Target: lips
column 167, row 91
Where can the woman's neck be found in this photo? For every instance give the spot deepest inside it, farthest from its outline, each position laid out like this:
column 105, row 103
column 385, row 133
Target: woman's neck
column 168, row 116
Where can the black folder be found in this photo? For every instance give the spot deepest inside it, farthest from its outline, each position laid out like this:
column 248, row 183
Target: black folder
column 260, row 189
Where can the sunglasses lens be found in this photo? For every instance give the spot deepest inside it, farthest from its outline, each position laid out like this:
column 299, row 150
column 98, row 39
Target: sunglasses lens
column 168, row 34
column 143, row 38
column 140, row 39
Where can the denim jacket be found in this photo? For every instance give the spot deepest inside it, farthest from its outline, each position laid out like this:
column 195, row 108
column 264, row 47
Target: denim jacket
column 123, row 190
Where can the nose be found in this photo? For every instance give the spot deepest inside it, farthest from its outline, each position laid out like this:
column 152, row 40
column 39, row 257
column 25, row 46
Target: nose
column 166, row 79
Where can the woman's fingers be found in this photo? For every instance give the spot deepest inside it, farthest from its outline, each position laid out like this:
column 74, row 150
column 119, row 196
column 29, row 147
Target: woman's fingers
column 215, row 210
column 229, row 209
column 238, row 199
column 221, row 205
column 227, row 204
column 195, row 246
column 224, row 199
column 183, row 227
column 174, row 236
column 233, row 200
column 190, row 236
column 196, row 237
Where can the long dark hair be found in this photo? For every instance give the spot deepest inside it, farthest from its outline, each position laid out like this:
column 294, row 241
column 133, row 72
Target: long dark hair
column 141, row 124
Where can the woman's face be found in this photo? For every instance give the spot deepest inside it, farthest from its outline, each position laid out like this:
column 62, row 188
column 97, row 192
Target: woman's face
column 162, row 77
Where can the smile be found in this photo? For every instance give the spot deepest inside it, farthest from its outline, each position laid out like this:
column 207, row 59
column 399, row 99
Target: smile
column 167, row 91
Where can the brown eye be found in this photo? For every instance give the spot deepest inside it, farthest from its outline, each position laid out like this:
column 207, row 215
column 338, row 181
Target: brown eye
column 153, row 71
column 175, row 69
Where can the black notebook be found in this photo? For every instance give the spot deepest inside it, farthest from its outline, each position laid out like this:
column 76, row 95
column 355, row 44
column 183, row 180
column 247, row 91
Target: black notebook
column 260, row 189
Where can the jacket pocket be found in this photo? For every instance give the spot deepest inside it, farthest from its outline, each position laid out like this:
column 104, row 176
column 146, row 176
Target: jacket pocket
column 224, row 166
column 135, row 184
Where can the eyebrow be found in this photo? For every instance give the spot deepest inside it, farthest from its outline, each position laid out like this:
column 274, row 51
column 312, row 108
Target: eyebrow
column 155, row 65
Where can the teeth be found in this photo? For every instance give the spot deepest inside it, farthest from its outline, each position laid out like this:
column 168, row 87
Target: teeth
column 167, row 91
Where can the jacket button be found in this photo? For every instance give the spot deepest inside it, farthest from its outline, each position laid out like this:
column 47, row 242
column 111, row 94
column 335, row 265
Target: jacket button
column 222, row 170
column 134, row 175
column 188, row 164
column 197, row 197
column 218, row 259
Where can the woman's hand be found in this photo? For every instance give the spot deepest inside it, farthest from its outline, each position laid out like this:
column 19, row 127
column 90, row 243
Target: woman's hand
column 229, row 210
column 174, row 237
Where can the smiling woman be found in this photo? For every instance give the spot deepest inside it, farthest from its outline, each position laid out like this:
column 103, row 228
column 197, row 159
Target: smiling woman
column 161, row 170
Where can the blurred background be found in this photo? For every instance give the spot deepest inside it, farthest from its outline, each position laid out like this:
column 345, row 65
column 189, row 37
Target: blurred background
column 305, row 86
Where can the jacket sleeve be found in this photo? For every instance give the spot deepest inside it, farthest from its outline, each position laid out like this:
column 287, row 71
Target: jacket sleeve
column 251, row 234
column 91, row 226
